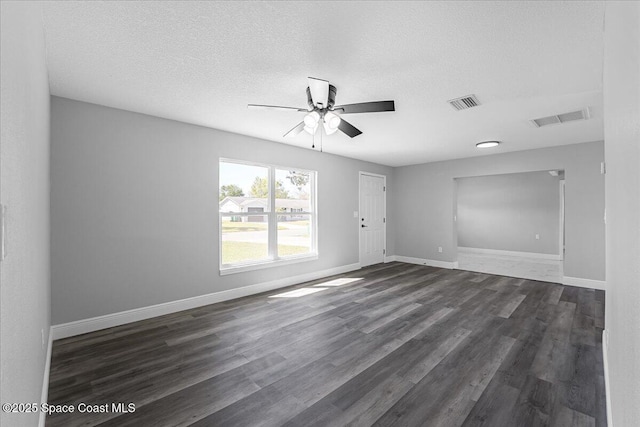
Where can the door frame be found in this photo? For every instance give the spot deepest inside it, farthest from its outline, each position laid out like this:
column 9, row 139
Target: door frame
column 384, row 207
column 561, row 228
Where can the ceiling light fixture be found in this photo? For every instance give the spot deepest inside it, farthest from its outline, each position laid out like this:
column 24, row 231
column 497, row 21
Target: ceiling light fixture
column 311, row 122
column 331, row 122
column 328, row 130
column 311, row 129
column 487, row 144
column 311, row 119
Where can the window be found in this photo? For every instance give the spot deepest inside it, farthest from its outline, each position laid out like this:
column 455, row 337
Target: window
column 267, row 215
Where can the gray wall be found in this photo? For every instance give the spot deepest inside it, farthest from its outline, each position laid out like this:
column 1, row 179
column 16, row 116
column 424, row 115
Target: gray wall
column 425, row 203
column 135, row 209
column 24, row 189
column 505, row 212
column 622, row 153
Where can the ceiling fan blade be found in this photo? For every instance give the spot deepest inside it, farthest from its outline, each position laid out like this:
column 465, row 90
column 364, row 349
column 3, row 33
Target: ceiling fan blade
column 275, row 107
column 296, row 130
column 319, row 91
column 349, row 129
column 366, row 107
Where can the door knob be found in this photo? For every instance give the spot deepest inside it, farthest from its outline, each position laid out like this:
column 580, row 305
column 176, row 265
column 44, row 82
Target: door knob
column 363, row 226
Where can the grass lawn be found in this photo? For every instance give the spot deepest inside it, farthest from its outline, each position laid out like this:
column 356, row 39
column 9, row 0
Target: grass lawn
column 245, row 251
column 234, row 227
column 300, row 222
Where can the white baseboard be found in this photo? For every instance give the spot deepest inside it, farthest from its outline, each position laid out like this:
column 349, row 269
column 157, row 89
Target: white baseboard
column 45, row 381
column 390, row 258
column 585, row 283
column 442, row 264
column 605, row 362
column 511, row 273
column 535, row 255
column 116, row 319
column 424, row 261
column 410, row 260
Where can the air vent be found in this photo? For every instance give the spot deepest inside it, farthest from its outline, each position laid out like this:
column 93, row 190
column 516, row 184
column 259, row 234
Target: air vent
column 546, row 121
column 562, row 118
column 464, row 102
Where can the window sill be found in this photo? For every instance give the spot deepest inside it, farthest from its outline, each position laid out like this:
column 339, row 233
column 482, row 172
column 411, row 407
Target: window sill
column 267, row 264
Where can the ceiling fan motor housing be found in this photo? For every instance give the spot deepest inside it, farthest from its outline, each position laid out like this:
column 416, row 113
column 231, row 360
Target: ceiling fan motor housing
column 331, row 101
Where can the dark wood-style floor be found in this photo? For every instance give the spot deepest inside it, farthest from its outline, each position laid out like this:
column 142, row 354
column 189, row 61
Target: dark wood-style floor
column 405, row 345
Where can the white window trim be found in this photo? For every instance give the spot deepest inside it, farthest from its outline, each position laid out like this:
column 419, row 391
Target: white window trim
column 274, row 260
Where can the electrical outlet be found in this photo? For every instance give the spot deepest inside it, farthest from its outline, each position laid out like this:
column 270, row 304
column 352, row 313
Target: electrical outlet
column 355, row 214
column 537, row 237
column 440, row 249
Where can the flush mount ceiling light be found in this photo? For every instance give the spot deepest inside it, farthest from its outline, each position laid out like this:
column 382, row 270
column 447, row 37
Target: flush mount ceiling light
column 487, row 144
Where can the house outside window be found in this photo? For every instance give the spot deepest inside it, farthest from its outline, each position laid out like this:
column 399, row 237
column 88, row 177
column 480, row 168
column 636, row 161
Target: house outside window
column 267, row 215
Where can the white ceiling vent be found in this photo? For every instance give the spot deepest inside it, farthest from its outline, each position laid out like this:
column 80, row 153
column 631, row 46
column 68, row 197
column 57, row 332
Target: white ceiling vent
column 562, row 118
column 464, row 102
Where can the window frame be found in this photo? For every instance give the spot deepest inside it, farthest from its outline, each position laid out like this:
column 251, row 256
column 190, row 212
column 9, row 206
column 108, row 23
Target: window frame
column 272, row 215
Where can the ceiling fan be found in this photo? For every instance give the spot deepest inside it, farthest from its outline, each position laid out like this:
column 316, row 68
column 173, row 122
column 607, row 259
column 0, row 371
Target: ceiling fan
column 321, row 97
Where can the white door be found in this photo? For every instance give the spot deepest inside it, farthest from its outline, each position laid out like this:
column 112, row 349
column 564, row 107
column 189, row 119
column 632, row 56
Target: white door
column 372, row 221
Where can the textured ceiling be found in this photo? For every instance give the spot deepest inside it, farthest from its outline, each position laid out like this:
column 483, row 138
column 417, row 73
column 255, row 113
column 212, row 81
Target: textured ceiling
column 203, row 62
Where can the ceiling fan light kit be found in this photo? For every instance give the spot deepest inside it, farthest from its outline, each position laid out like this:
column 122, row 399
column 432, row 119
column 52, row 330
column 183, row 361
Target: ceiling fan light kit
column 332, row 120
column 321, row 98
column 311, row 119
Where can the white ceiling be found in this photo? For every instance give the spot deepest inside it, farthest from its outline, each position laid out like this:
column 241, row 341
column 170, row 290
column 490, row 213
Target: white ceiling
column 203, row 62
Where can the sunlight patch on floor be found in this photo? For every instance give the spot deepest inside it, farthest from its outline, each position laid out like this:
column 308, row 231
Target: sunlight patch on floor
column 298, row 293
column 340, row 282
